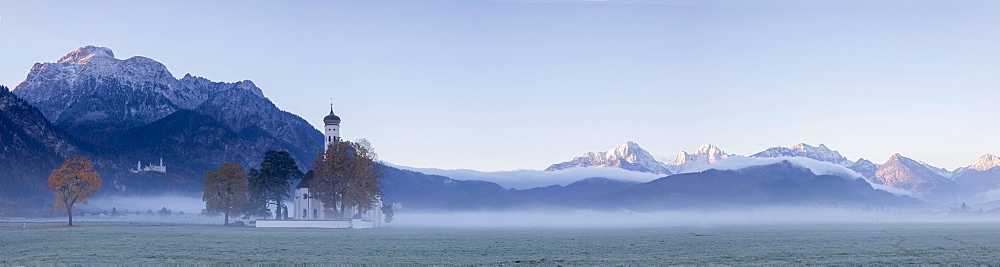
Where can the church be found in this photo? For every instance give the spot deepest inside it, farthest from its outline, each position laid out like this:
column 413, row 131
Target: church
column 310, row 212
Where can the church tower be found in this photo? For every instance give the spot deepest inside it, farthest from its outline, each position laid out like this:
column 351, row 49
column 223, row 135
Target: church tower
column 332, row 128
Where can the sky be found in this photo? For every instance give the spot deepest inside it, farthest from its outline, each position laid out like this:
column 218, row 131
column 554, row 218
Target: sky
column 506, row 85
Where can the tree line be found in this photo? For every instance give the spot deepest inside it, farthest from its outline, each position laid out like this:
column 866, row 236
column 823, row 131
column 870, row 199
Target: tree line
column 346, row 175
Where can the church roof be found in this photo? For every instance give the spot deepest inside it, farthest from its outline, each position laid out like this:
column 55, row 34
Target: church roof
column 304, row 183
column 332, row 118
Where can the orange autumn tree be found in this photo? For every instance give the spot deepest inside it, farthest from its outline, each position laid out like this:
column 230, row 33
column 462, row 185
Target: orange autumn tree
column 74, row 182
column 226, row 190
column 347, row 176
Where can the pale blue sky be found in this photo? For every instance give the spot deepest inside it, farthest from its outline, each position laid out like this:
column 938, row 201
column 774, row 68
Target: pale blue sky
column 500, row 85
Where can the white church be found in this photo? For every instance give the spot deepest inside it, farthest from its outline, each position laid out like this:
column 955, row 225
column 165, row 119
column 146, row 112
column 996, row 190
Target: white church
column 310, row 212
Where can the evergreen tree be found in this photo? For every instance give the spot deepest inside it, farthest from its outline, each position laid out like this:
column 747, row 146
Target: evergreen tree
column 387, row 210
column 272, row 182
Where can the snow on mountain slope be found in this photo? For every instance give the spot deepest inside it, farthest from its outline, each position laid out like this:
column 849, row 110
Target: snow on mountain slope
column 627, row 156
column 905, row 173
column 706, row 154
column 97, row 97
column 984, row 163
column 821, row 153
column 817, row 167
column 937, row 170
column 91, row 85
column 865, row 167
column 981, row 175
column 526, row 179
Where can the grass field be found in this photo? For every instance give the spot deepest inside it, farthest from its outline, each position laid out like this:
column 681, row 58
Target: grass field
column 917, row 244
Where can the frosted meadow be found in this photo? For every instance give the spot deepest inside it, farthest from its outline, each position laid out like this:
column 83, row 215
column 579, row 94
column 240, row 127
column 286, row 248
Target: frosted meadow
column 967, row 243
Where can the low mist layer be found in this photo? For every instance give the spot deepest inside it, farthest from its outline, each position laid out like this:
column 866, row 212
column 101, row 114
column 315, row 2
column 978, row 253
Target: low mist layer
column 584, row 218
column 175, row 203
column 815, row 166
column 631, row 219
column 527, row 179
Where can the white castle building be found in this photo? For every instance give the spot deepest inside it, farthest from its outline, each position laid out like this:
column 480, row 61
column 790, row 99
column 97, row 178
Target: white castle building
column 150, row 167
column 312, row 210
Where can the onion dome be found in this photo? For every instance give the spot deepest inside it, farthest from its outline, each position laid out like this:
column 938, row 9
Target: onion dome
column 332, row 118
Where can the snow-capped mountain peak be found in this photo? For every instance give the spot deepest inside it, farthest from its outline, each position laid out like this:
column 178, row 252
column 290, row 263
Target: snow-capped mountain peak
column 94, row 95
column 624, row 149
column 709, row 149
column 706, row 154
column 803, row 147
column 92, row 67
column 865, row 167
column 864, row 162
column 985, row 162
column 980, row 175
column 84, row 54
column 97, row 64
column 821, row 153
column 627, row 156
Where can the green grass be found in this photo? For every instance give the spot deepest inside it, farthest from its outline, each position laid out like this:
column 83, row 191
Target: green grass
column 919, row 244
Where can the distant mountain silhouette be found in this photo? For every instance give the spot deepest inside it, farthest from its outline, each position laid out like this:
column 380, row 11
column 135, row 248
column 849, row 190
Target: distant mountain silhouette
column 779, row 184
column 782, row 184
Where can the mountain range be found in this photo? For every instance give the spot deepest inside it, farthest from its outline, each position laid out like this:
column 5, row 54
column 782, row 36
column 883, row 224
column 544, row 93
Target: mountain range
column 898, row 172
column 120, row 111
column 627, row 156
column 779, row 184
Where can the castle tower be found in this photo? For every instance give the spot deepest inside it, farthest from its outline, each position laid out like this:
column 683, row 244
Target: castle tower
column 332, row 128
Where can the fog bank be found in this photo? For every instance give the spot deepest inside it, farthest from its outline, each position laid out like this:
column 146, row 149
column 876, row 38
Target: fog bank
column 527, row 179
column 630, row 219
column 815, row 166
column 176, row 203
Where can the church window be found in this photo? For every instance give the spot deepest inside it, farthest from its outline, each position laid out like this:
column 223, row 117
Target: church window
column 314, row 214
column 305, row 196
column 305, row 214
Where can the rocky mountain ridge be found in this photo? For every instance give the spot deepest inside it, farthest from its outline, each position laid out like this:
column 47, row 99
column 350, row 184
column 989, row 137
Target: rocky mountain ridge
column 98, row 98
column 905, row 173
column 898, row 171
column 981, row 175
column 706, row 154
column 985, row 163
column 821, row 153
column 627, row 156
column 121, row 110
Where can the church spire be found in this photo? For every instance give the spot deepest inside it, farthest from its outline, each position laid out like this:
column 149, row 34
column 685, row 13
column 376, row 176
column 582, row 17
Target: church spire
column 332, row 126
column 332, row 118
